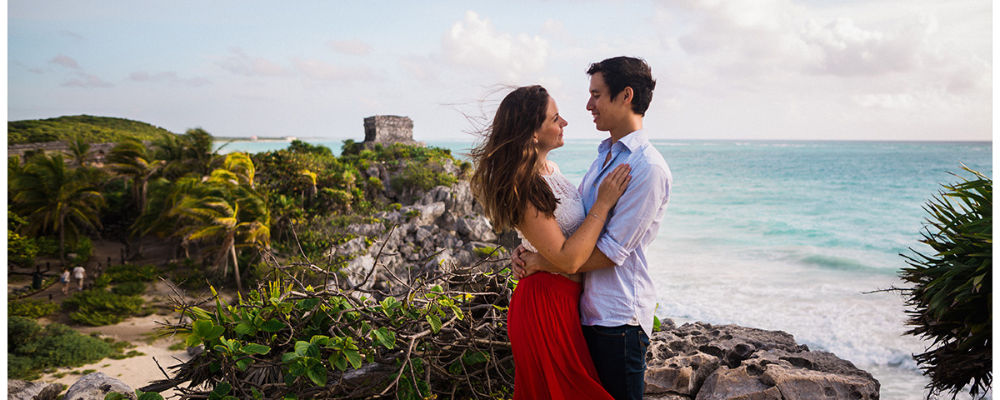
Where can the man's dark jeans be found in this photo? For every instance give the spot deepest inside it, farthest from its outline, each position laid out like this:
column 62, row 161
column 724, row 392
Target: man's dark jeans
column 619, row 354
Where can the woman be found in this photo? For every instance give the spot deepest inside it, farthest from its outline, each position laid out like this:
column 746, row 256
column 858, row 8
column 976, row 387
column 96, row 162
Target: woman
column 518, row 187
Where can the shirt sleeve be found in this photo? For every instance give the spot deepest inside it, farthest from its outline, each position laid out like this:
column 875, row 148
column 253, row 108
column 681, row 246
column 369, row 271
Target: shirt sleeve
column 634, row 213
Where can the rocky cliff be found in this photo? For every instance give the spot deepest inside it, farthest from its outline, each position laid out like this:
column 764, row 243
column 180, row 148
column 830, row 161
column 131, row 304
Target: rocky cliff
column 444, row 229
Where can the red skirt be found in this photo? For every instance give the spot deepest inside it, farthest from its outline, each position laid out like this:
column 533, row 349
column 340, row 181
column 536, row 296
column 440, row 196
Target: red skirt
column 551, row 359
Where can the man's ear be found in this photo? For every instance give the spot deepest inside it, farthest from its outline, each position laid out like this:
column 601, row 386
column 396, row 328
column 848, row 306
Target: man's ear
column 628, row 94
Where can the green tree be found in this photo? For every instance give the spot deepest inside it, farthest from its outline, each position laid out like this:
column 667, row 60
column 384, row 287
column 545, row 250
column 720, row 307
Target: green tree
column 950, row 300
column 190, row 153
column 133, row 160
column 54, row 198
column 79, row 150
column 228, row 213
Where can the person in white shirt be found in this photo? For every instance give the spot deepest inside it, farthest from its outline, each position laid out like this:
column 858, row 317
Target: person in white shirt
column 79, row 273
column 619, row 297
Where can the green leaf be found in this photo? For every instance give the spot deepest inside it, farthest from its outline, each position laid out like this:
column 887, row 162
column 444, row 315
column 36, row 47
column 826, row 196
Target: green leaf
column 385, row 337
column 354, row 357
column 656, row 324
column 254, row 348
column 317, row 373
column 475, row 357
column 207, row 330
column 273, row 325
column 243, row 363
column 302, row 348
column 245, row 328
column 307, row 304
column 435, row 322
column 140, row 395
column 339, row 361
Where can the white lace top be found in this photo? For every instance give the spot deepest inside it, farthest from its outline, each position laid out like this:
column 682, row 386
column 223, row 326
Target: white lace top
column 569, row 212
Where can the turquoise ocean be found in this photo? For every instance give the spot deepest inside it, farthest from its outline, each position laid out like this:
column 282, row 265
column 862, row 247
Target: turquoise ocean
column 790, row 235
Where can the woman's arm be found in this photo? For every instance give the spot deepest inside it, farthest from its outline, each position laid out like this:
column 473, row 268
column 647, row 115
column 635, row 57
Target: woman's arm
column 567, row 254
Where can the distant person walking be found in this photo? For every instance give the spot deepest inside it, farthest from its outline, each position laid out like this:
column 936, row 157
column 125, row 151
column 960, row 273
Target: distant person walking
column 79, row 273
column 64, row 279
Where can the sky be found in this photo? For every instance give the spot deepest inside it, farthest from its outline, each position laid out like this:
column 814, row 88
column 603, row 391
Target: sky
column 725, row 69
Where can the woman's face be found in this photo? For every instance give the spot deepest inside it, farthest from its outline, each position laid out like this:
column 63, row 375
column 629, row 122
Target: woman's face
column 550, row 135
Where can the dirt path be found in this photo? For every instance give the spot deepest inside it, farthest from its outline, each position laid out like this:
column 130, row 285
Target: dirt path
column 135, row 371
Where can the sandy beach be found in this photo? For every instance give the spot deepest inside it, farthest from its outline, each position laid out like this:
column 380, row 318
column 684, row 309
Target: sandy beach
column 141, row 332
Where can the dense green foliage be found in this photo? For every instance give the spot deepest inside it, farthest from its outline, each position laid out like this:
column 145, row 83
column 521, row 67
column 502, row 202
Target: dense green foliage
column 30, row 308
column 91, row 129
column 55, row 198
column 98, row 306
column 31, row 348
column 313, row 193
column 445, row 337
column 950, row 301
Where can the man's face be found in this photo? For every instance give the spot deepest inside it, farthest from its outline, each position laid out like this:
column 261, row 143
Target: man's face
column 608, row 112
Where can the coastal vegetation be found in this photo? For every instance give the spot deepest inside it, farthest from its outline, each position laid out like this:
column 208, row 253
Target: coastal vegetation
column 267, row 219
column 86, row 128
column 950, row 302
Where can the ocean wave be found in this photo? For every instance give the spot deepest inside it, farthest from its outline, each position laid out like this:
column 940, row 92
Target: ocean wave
column 839, row 263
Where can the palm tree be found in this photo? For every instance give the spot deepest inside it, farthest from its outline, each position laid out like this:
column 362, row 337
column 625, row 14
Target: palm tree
column 79, row 150
column 228, row 212
column 190, row 153
column 56, row 199
column 131, row 159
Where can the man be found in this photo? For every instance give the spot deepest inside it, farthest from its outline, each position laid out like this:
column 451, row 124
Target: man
column 618, row 297
column 79, row 273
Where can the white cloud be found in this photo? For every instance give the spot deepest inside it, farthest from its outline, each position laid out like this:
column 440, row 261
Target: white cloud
column 350, row 47
column 475, row 42
column 84, row 80
column 65, row 61
column 169, row 77
column 420, row 68
column 321, row 70
column 238, row 62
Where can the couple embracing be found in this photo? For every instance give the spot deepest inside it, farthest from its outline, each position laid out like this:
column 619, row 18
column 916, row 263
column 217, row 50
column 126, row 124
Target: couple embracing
column 578, row 327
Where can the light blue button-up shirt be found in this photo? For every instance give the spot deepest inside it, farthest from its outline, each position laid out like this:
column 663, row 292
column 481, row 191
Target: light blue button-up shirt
column 625, row 294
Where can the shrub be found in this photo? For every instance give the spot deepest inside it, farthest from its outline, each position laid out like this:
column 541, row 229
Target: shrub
column 131, row 273
column 952, row 288
column 98, row 307
column 83, row 249
column 21, row 250
column 486, row 251
column 129, row 288
column 424, row 177
column 31, row 308
column 32, row 348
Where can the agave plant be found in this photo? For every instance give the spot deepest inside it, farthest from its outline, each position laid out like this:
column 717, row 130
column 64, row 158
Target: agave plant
column 950, row 299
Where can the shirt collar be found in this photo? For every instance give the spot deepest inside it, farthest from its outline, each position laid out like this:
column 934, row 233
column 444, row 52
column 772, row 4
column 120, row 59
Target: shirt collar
column 632, row 141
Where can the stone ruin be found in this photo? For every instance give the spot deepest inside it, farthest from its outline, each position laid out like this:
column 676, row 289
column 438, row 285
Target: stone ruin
column 389, row 129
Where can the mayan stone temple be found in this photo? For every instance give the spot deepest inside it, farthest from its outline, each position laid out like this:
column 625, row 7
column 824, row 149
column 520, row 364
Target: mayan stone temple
column 389, row 129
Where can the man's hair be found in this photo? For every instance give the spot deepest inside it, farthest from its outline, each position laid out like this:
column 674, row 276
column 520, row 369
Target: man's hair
column 622, row 72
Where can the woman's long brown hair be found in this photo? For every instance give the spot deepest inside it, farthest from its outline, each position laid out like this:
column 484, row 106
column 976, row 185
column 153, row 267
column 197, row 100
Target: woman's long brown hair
column 506, row 178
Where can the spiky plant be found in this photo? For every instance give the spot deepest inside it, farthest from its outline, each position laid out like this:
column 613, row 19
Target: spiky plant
column 950, row 302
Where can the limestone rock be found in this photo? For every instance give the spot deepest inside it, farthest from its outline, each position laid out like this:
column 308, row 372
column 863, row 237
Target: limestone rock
column 731, row 362
column 736, row 383
column 476, row 228
column 26, row 390
column 96, row 386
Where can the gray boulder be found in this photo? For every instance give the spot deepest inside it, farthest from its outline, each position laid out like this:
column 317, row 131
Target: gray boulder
column 96, row 386
column 475, row 227
column 25, row 390
column 705, row 362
